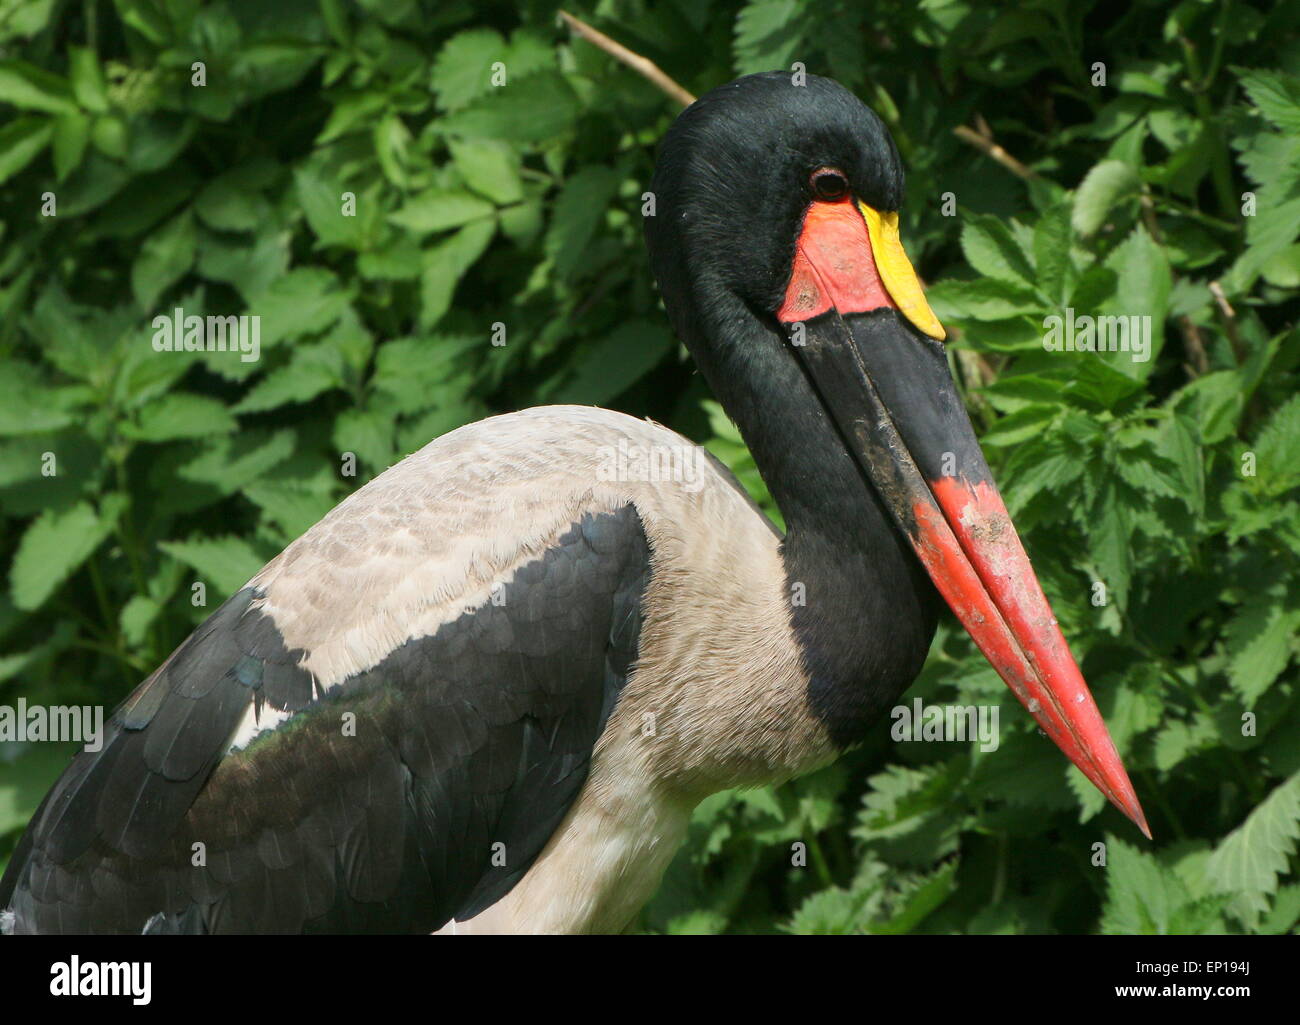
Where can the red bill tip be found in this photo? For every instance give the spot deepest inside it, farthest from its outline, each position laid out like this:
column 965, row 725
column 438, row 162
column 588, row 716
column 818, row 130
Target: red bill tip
column 972, row 552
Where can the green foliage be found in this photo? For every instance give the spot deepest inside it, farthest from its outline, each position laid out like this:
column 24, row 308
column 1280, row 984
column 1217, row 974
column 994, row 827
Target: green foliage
column 353, row 174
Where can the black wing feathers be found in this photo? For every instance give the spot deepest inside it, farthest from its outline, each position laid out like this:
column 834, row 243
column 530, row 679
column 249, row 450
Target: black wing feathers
column 418, row 791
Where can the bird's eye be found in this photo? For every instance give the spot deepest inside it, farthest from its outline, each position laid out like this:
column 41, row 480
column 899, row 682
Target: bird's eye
column 829, row 185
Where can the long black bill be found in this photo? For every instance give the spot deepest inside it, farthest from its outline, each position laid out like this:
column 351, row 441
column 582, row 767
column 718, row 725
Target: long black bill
column 888, row 388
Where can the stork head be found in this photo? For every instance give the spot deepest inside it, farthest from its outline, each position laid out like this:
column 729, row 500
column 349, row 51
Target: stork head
column 775, row 242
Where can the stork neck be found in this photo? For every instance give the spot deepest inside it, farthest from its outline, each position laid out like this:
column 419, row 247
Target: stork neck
column 862, row 607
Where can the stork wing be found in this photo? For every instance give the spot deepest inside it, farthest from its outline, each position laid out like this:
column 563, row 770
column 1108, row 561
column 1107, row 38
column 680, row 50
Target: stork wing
column 418, row 790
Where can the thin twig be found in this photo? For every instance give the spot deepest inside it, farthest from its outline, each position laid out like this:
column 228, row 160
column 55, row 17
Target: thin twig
column 641, row 65
column 991, row 149
column 1229, row 321
column 1198, row 362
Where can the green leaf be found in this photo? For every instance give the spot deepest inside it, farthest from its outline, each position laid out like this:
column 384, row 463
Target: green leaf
column 532, row 109
column 438, row 211
column 445, row 263
column 27, row 87
column 87, row 79
column 489, row 168
column 462, row 70
column 21, row 141
column 767, row 35
column 1028, row 422
column 321, row 198
column 180, row 415
column 1277, row 450
column 392, row 140
column 992, row 251
column 1260, row 640
column 1144, row 282
column 25, row 781
column 71, row 134
column 304, row 301
column 293, row 505
column 137, row 616
column 228, row 204
column 108, row 133
column 578, row 213
column 1180, row 740
column 830, row 912
column 1052, row 252
column 1101, row 190
column 1143, row 897
column 1248, row 861
column 55, row 545
column 165, row 258
column 983, row 299
column 616, row 362
column 1110, row 542
column 157, row 139
column 368, row 434
column 312, row 369
column 225, row 562
column 1276, row 95
column 917, row 905
column 1284, row 914
column 232, row 462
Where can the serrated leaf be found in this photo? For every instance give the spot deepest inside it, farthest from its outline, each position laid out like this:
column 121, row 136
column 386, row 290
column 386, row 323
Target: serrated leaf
column 1052, row 252
column 232, row 462
column 1277, row 450
column 1284, row 914
column 531, row 109
column 1110, row 542
column 293, row 506
column 180, row 415
column 830, row 912
column 368, row 434
column 312, row 370
column 1179, row 740
column 925, row 896
column 767, row 35
column 1260, row 640
column 489, row 168
column 304, row 301
column 985, row 299
column 1276, row 95
column 322, row 202
column 55, row 545
column 1101, row 190
column 463, row 67
column 228, row 204
column 616, row 362
column 437, row 210
column 1247, row 862
column 28, row 87
column 1144, row 283
column 164, row 259
column 992, row 251
column 68, row 143
column 136, row 617
column 578, row 212
column 1143, row 897
column 226, row 562
column 21, row 141
column 444, row 265
column 87, row 79
column 25, row 781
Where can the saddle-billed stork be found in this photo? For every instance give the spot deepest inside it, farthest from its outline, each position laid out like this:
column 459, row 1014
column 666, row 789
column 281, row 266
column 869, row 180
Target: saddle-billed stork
column 486, row 691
